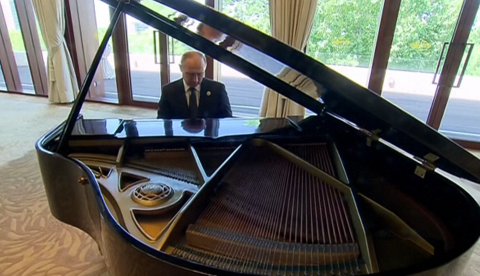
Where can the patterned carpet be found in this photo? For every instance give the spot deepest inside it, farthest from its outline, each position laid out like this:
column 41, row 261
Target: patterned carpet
column 33, row 242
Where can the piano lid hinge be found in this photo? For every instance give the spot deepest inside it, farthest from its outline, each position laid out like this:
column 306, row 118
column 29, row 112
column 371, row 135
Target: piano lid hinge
column 426, row 164
column 372, row 136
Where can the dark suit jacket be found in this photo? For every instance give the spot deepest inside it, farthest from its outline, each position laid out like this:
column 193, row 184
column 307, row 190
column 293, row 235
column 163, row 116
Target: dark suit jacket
column 213, row 102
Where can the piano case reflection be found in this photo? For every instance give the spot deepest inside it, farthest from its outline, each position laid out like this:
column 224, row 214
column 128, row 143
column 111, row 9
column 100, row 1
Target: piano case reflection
column 358, row 188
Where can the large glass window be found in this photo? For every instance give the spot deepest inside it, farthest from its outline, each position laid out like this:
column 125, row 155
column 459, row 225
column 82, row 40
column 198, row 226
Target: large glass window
column 244, row 93
column 42, row 42
column 144, row 66
column 343, row 36
column 107, row 65
column 177, row 48
column 18, row 45
column 423, row 28
column 462, row 115
column 145, row 52
column 254, row 13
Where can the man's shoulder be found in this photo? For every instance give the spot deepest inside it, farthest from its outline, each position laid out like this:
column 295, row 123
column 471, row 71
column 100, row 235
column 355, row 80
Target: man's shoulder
column 213, row 83
column 172, row 84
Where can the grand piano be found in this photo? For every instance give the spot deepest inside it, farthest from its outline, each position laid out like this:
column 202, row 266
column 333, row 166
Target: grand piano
column 360, row 187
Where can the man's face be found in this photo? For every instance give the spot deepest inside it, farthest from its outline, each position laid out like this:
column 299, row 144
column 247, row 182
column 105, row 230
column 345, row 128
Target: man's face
column 193, row 70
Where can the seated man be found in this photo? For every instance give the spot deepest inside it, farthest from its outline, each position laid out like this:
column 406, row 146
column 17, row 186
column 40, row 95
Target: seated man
column 193, row 96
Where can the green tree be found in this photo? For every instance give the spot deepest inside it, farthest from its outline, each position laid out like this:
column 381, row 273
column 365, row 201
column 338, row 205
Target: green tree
column 17, row 40
column 473, row 67
column 146, row 37
column 422, row 28
column 254, row 13
column 343, row 32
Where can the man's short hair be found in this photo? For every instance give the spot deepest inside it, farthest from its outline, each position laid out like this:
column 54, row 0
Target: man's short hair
column 190, row 54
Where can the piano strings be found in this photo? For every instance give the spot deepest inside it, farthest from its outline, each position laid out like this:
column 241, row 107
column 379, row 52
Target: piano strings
column 280, row 221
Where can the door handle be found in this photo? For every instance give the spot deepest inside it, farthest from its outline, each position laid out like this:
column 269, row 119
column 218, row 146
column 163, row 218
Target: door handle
column 464, row 65
column 438, row 63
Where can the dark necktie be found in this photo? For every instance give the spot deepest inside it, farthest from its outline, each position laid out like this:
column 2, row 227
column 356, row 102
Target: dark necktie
column 193, row 103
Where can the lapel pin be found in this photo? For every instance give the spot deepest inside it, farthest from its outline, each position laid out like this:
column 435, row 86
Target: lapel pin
column 209, row 93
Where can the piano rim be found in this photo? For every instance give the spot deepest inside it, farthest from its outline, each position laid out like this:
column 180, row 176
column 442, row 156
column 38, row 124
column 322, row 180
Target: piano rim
column 436, row 263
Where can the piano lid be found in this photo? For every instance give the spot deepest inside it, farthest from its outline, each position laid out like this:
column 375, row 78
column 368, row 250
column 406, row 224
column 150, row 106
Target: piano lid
column 294, row 75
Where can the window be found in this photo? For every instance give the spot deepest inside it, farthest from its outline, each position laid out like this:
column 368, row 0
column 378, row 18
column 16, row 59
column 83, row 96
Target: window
column 245, row 94
column 107, row 64
column 422, row 28
column 18, row 45
column 343, row 36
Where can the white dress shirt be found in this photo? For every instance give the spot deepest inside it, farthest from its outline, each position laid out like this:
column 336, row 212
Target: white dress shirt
column 187, row 93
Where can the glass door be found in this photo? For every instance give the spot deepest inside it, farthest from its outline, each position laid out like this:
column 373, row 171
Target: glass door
column 244, row 93
column 144, row 51
column 343, row 36
column 154, row 57
column 418, row 51
column 136, row 62
column 461, row 119
column 18, row 45
column 105, row 73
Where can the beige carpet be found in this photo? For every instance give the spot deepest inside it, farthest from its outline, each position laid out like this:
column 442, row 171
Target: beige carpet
column 32, row 242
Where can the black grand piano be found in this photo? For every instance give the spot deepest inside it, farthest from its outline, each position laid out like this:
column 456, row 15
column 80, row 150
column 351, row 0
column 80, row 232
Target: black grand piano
column 360, row 187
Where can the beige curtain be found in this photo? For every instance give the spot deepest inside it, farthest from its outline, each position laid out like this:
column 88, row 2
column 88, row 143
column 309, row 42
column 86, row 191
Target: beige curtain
column 62, row 84
column 291, row 23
